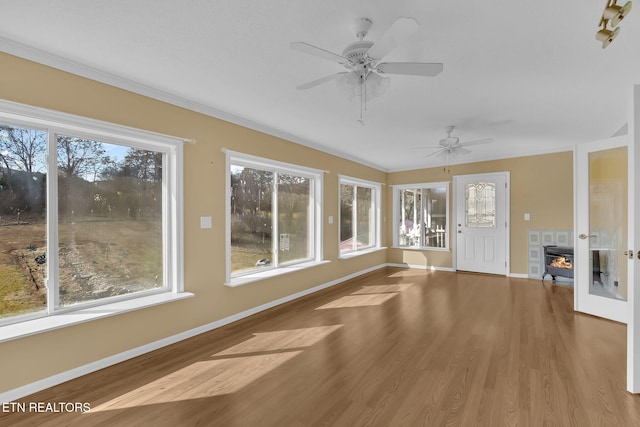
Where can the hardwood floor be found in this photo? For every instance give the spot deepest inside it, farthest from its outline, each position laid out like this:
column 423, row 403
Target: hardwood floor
column 393, row 347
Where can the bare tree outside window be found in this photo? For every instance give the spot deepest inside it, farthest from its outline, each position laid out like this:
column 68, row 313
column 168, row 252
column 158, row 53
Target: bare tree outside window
column 22, row 220
column 110, row 220
column 270, row 219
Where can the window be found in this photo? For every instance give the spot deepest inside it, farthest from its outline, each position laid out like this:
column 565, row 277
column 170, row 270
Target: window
column 421, row 213
column 480, row 205
column 359, row 215
column 89, row 213
column 273, row 216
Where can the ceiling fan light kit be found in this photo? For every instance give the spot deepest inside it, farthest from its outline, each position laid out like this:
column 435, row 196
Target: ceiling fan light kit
column 356, row 85
column 364, row 76
column 612, row 15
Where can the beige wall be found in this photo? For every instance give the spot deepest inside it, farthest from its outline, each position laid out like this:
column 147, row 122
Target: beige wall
column 29, row 83
column 541, row 185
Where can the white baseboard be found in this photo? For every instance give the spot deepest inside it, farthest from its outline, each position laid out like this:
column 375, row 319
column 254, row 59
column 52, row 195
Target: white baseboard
column 54, row 380
column 518, row 275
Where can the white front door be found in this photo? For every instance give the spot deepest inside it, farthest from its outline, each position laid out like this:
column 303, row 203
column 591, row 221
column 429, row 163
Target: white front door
column 601, row 283
column 482, row 222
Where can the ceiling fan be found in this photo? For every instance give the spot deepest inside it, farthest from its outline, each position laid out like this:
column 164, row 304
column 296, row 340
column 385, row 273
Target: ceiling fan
column 451, row 145
column 365, row 75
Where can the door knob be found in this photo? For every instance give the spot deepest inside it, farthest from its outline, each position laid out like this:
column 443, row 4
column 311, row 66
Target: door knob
column 584, row 236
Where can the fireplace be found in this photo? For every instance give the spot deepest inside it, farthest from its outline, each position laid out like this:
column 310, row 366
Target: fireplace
column 558, row 261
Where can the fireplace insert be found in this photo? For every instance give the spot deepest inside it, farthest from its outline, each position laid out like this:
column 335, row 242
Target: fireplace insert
column 558, row 261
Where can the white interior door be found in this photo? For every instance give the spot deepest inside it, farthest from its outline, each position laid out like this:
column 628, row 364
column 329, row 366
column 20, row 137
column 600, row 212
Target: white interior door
column 482, row 222
column 601, row 275
column 607, row 229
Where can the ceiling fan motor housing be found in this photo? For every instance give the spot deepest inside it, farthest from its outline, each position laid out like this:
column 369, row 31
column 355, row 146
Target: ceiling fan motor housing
column 356, row 52
column 449, row 141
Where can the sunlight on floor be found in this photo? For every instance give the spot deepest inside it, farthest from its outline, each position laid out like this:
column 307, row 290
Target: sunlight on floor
column 411, row 272
column 368, row 296
column 199, row 380
column 359, row 301
column 224, row 375
column 280, row 340
column 381, row 289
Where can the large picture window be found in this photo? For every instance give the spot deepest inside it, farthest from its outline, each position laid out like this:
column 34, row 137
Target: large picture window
column 421, row 213
column 110, row 202
column 273, row 215
column 359, row 215
column 86, row 216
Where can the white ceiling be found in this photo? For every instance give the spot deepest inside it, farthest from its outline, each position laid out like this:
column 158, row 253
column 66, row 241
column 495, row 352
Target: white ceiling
column 529, row 74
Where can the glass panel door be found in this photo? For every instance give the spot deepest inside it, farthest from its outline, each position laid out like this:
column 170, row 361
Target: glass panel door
column 601, row 266
column 608, row 223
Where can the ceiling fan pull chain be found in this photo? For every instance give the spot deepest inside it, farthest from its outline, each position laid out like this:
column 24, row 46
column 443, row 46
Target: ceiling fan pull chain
column 362, row 101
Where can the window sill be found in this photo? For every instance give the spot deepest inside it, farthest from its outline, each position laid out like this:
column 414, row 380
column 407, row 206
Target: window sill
column 422, row 248
column 261, row 275
column 354, row 254
column 68, row 318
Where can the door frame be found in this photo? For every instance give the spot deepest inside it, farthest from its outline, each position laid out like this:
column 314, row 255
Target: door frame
column 633, row 297
column 507, row 216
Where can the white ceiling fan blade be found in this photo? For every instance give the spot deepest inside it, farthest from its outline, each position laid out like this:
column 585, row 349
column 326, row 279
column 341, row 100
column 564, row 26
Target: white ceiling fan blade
column 410, row 68
column 438, row 152
column 460, row 151
column 477, row 142
column 320, row 81
column 316, row 51
column 399, row 31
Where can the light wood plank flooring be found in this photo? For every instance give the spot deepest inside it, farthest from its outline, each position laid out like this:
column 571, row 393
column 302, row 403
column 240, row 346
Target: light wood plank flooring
column 393, row 347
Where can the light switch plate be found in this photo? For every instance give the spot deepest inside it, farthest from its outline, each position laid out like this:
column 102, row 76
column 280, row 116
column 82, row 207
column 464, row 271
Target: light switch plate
column 330, row 219
column 205, row 222
column 527, row 217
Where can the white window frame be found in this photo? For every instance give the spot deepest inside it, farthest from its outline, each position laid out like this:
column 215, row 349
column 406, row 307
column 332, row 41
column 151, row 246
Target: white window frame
column 316, row 178
column 396, row 214
column 56, row 123
column 376, row 208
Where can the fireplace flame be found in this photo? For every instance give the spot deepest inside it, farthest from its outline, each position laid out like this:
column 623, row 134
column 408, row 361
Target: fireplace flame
column 562, row 262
